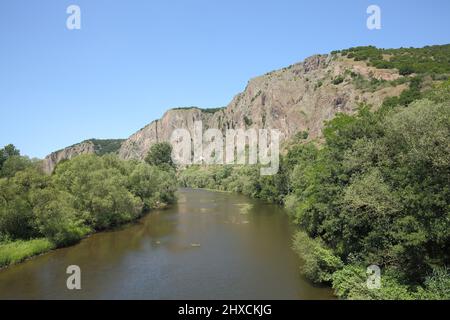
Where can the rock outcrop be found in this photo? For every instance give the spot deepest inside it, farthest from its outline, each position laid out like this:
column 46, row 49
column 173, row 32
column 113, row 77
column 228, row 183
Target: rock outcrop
column 300, row 97
column 50, row 161
column 297, row 98
column 97, row 146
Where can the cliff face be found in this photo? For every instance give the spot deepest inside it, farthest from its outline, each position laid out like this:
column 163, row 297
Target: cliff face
column 96, row 146
column 297, row 98
column 50, row 161
column 137, row 146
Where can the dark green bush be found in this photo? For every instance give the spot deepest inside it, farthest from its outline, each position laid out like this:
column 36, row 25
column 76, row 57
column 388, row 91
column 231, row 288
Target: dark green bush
column 319, row 262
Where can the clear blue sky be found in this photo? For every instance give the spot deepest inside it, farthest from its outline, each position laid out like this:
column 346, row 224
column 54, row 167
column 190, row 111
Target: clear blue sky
column 132, row 60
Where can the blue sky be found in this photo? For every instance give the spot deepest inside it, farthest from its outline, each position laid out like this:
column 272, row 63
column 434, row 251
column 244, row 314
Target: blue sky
column 132, row 60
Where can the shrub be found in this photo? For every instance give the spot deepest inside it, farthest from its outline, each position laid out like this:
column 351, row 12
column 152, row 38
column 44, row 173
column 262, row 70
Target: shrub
column 350, row 283
column 338, row 80
column 56, row 217
column 319, row 262
column 437, row 285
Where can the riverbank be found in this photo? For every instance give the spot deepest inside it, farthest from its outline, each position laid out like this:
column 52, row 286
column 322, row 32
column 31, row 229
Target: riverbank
column 85, row 195
column 373, row 192
column 241, row 256
column 322, row 264
column 18, row 251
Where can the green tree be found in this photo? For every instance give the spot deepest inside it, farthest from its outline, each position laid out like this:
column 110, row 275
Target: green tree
column 56, row 217
column 160, row 154
column 100, row 188
column 7, row 152
column 11, row 161
column 319, row 262
column 152, row 185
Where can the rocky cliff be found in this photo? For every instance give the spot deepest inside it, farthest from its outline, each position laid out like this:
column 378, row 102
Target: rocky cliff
column 96, row 146
column 296, row 98
column 50, row 161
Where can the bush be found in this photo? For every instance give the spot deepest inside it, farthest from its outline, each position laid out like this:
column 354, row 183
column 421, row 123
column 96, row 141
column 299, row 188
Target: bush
column 160, row 154
column 351, row 283
column 437, row 285
column 338, row 80
column 56, row 217
column 319, row 262
column 429, row 59
column 153, row 186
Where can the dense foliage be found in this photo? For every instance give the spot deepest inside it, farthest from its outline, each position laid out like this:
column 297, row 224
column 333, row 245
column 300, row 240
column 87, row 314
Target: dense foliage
column 427, row 60
column 376, row 192
column 160, row 155
column 105, row 146
column 240, row 178
column 83, row 195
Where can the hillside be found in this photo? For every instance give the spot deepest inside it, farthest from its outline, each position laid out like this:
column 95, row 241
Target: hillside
column 97, row 146
column 300, row 97
column 297, row 98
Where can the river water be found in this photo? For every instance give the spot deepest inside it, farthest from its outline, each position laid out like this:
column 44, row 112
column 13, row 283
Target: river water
column 210, row 245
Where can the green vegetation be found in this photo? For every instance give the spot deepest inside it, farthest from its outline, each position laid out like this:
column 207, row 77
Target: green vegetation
column 338, row 80
column 427, row 60
column 371, row 84
column 248, row 122
column 212, row 110
column 160, row 155
column 414, row 92
column 102, row 146
column 6, row 153
column 105, row 146
column 240, row 179
column 206, row 110
column 319, row 261
column 318, row 85
column 376, row 192
column 257, row 95
column 17, row 251
column 83, row 195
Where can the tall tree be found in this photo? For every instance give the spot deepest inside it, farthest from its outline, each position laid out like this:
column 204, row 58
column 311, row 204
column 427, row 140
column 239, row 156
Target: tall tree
column 160, row 154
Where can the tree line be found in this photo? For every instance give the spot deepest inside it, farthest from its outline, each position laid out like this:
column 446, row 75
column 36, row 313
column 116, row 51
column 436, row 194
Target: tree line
column 377, row 192
column 83, row 195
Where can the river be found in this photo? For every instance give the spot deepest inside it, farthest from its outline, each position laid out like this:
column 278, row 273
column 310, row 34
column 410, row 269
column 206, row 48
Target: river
column 209, row 245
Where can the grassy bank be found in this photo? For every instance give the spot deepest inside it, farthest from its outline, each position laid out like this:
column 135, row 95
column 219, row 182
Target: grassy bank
column 17, row 251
